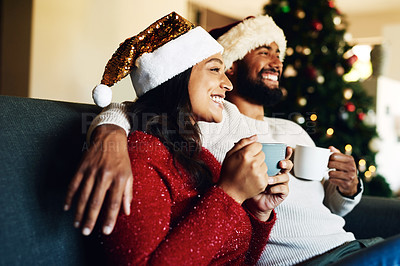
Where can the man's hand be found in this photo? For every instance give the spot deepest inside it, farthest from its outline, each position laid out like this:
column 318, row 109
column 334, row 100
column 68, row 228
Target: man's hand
column 262, row 205
column 345, row 176
column 104, row 170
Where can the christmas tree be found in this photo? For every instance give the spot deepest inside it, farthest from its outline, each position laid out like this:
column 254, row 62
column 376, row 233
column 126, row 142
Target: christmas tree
column 333, row 111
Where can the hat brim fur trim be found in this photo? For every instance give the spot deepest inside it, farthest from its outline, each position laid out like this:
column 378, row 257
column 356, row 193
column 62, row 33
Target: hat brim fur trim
column 251, row 34
column 173, row 58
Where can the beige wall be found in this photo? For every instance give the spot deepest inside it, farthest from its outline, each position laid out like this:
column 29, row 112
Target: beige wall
column 73, row 40
column 368, row 28
column 391, row 56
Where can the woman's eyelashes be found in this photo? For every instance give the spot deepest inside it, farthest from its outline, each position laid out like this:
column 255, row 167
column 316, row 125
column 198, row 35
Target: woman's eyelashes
column 216, row 69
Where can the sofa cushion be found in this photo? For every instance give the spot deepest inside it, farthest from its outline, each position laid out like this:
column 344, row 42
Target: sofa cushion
column 374, row 216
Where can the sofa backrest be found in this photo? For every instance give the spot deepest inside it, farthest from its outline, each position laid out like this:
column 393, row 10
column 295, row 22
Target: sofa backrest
column 41, row 144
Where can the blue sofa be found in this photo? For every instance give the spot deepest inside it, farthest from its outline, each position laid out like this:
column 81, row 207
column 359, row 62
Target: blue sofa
column 41, row 143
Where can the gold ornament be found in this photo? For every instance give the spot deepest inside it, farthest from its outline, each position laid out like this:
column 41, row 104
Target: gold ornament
column 300, row 14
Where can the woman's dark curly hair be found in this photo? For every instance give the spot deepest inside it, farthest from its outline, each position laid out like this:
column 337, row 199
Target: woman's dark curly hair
column 166, row 112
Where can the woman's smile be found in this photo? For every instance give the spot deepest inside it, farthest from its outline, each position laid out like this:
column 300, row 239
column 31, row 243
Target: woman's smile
column 219, row 100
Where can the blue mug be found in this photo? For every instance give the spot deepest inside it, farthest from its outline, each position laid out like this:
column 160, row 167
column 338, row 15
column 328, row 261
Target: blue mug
column 274, row 153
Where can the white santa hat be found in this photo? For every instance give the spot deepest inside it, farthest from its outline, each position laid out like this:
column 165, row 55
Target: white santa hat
column 240, row 37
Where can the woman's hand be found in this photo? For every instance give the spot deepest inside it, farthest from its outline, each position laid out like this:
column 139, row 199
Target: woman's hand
column 262, row 205
column 104, row 173
column 244, row 172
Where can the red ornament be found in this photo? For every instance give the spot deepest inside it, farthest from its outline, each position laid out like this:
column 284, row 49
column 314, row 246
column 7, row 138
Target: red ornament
column 331, row 4
column 361, row 116
column 311, row 72
column 351, row 60
column 350, row 107
column 317, row 25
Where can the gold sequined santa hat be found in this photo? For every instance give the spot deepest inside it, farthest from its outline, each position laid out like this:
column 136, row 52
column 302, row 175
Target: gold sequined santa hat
column 241, row 37
column 166, row 48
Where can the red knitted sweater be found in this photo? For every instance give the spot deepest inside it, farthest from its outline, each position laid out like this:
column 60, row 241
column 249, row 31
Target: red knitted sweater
column 171, row 224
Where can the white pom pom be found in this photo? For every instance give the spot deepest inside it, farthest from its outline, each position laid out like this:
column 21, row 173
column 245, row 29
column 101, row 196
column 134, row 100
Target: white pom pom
column 102, row 95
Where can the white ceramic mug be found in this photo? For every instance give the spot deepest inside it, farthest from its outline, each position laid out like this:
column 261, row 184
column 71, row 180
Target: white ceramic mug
column 311, row 163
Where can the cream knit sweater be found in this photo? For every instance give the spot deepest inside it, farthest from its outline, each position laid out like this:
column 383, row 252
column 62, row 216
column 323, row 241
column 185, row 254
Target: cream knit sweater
column 309, row 220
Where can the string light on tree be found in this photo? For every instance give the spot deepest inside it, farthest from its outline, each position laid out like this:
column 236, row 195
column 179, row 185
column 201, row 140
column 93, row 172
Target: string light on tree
column 290, row 71
column 337, row 20
column 299, row 119
column 339, row 70
column 348, row 37
column 289, row 51
column 348, row 149
column 306, row 51
column 299, row 49
column 313, row 117
column 348, row 93
column 297, row 64
column 368, row 175
column 362, row 165
column 302, row 101
column 284, row 92
column 372, row 169
column 329, row 132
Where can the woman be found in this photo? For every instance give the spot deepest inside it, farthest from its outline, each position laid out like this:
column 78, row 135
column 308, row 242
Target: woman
column 186, row 208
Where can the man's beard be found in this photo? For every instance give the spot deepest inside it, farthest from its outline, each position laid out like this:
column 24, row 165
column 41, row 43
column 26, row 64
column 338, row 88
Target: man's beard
column 256, row 91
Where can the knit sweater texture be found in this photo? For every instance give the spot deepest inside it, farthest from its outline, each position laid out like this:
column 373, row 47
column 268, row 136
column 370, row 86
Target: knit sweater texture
column 309, row 221
column 172, row 224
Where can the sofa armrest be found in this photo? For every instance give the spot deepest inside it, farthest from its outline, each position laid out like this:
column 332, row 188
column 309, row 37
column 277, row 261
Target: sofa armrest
column 374, row 216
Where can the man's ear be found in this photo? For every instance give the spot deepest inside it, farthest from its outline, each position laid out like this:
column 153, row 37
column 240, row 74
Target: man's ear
column 232, row 70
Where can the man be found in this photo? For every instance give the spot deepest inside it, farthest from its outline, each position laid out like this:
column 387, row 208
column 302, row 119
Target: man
column 309, row 221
